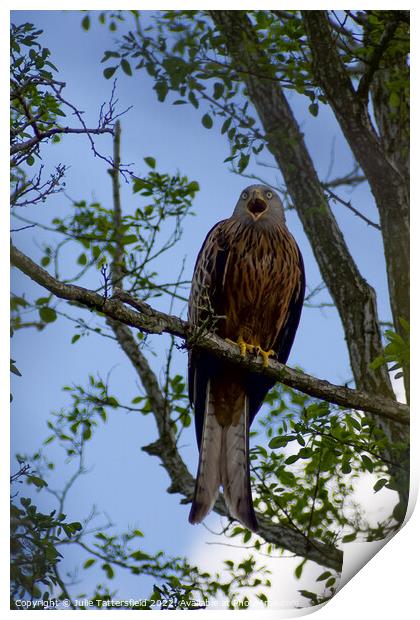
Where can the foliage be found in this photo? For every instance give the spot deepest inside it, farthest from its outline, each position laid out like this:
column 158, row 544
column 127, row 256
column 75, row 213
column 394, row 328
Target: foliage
column 38, row 111
column 397, row 350
column 313, row 458
column 187, row 58
column 35, row 538
column 39, row 541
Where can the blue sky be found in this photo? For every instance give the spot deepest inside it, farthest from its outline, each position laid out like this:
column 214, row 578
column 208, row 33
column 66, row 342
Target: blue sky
column 129, row 485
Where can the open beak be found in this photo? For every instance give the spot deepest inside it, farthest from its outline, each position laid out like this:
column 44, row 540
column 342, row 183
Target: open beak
column 256, row 204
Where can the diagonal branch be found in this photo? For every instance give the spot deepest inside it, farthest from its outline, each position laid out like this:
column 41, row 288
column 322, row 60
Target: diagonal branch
column 25, row 146
column 152, row 321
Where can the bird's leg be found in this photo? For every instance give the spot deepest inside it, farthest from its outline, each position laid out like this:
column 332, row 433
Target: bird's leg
column 243, row 346
column 264, row 354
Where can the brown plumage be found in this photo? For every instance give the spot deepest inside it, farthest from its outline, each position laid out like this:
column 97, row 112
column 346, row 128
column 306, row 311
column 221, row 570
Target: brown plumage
column 248, row 286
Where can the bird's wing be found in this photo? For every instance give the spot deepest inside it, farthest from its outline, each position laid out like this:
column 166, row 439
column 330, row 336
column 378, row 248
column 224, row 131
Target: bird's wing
column 205, row 305
column 287, row 332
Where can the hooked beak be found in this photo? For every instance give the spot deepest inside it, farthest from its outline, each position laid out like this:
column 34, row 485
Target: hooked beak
column 256, row 204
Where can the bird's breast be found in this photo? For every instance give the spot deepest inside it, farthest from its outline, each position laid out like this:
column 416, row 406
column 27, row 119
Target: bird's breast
column 261, row 273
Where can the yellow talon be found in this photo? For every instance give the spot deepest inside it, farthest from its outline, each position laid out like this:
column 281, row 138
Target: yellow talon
column 243, row 346
column 265, row 354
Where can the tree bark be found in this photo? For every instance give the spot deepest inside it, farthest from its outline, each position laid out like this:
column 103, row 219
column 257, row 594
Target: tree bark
column 386, row 179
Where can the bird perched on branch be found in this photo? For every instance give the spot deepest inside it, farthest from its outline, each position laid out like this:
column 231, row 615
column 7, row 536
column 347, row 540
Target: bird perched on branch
column 248, row 287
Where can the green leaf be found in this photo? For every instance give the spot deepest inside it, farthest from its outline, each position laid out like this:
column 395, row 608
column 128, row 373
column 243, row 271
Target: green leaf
column 218, row 90
column 247, row 536
column 86, row 22
column 45, row 261
column 299, row 569
column 127, row 239
column 13, row 369
column 161, row 89
column 324, row 575
column 41, row 301
column 399, row 512
column 314, row 109
column 345, row 466
column 108, row 570
column 150, row 161
column 38, row 482
column 379, row 484
column 377, row 362
column 48, row 315
column 89, row 563
column 226, row 125
column 276, row 442
column 394, row 100
column 193, row 99
column 126, row 67
column 311, row 595
column 193, row 187
column 109, row 72
column 367, row 463
column 243, row 162
column 349, row 537
column 207, row 121
column 75, row 338
column 139, row 555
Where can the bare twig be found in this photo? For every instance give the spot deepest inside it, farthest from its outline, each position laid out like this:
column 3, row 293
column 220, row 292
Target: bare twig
column 349, row 206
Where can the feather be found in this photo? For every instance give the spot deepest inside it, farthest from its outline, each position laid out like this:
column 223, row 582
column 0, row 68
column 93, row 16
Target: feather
column 234, row 470
column 208, row 477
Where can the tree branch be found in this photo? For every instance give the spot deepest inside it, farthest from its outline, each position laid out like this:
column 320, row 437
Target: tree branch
column 375, row 59
column 152, row 321
column 25, row 146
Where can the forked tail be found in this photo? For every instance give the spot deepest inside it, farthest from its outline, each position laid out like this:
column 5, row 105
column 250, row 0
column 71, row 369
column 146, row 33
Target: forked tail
column 224, row 461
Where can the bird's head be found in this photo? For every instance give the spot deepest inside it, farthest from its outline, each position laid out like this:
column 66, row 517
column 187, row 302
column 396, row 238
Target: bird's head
column 259, row 203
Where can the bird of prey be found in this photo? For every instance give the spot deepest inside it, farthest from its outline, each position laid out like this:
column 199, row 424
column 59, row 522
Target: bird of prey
column 248, row 287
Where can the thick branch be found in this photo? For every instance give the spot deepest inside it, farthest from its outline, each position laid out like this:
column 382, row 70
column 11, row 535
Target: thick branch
column 118, row 260
column 375, row 59
column 152, row 321
column 388, row 185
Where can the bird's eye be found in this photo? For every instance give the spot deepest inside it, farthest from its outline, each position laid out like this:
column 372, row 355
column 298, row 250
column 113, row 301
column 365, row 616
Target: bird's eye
column 244, row 195
column 269, row 194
